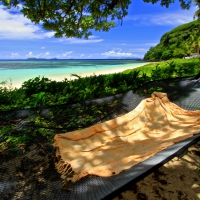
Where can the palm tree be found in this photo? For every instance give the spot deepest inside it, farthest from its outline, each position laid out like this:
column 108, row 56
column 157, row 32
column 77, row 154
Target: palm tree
column 197, row 13
column 195, row 41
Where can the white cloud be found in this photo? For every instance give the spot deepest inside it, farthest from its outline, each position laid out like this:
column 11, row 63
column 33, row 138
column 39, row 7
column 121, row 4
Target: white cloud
column 79, row 41
column 144, row 50
column 91, row 39
column 117, row 53
column 93, row 36
column 171, row 19
column 163, row 19
column 14, row 55
column 81, row 55
column 95, row 55
column 42, row 47
column 38, row 55
column 65, row 54
column 30, row 54
column 49, row 55
column 13, row 25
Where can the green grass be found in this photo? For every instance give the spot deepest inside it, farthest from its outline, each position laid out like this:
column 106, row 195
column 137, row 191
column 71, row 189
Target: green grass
column 190, row 63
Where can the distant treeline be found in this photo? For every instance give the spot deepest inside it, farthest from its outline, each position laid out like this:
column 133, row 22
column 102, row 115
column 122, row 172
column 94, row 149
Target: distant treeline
column 182, row 41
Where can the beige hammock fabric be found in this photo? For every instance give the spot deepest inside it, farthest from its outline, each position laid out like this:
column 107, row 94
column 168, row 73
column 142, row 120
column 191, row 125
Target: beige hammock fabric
column 106, row 149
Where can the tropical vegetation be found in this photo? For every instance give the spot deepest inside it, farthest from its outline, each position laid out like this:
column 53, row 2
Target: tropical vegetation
column 180, row 42
column 41, row 91
column 41, row 94
column 78, row 18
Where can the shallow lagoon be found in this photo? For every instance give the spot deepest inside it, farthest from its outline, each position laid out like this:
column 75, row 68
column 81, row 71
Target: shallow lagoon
column 19, row 71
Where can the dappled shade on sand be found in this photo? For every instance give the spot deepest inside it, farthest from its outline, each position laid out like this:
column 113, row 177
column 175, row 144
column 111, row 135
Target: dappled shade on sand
column 107, row 148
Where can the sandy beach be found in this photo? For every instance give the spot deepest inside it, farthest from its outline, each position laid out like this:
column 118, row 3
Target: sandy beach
column 110, row 71
column 178, row 179
column 17, row 84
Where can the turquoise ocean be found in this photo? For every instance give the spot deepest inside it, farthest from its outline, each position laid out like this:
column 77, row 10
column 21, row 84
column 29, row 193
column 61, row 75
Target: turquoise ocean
column 19, row 71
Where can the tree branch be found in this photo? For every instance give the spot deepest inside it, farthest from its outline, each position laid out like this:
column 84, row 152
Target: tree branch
column 70, row 7
column 113, row 4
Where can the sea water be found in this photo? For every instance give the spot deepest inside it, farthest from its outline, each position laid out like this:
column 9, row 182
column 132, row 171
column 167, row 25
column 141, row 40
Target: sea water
column 19, row 71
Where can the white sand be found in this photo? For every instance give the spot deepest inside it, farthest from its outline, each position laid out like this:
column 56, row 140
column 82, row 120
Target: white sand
column 18, row 84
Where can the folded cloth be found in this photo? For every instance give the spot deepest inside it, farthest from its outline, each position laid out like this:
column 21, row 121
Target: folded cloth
column 107, row 148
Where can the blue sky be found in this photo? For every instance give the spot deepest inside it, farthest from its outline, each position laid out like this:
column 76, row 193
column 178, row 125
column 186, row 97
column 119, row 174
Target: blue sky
column 141, row 29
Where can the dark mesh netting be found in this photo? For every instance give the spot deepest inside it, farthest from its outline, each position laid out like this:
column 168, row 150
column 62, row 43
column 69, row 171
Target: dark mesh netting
column 27, row 167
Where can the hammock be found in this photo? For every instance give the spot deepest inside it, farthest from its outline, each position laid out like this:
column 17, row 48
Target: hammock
column 106, row 149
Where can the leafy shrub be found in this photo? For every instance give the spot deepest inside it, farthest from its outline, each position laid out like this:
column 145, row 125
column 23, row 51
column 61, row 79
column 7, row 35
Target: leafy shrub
column 166, row 55
column 176, row 40
column 40, row 92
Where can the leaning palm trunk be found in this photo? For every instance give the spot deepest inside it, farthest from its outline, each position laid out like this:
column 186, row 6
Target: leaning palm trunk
column 108, row 148
column 197, row 13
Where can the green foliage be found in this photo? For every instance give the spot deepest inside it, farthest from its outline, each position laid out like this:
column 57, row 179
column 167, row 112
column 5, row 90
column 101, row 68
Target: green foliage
column 195, row 42
column 168, row 69
column 78, row 18
column 185, row 4
column 154, row 53
column 172, row 70
column 73, row 18
column 166, row 55
column 41, row 91
column 197, row 13
column 8, row 94
column 178, row 43
column 14, row 138
column 179, row 53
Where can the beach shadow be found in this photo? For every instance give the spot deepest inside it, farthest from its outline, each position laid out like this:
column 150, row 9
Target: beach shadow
column 21, row 168
column 177, row 179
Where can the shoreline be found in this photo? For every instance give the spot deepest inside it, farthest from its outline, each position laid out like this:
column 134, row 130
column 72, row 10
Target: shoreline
column 18, row 84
